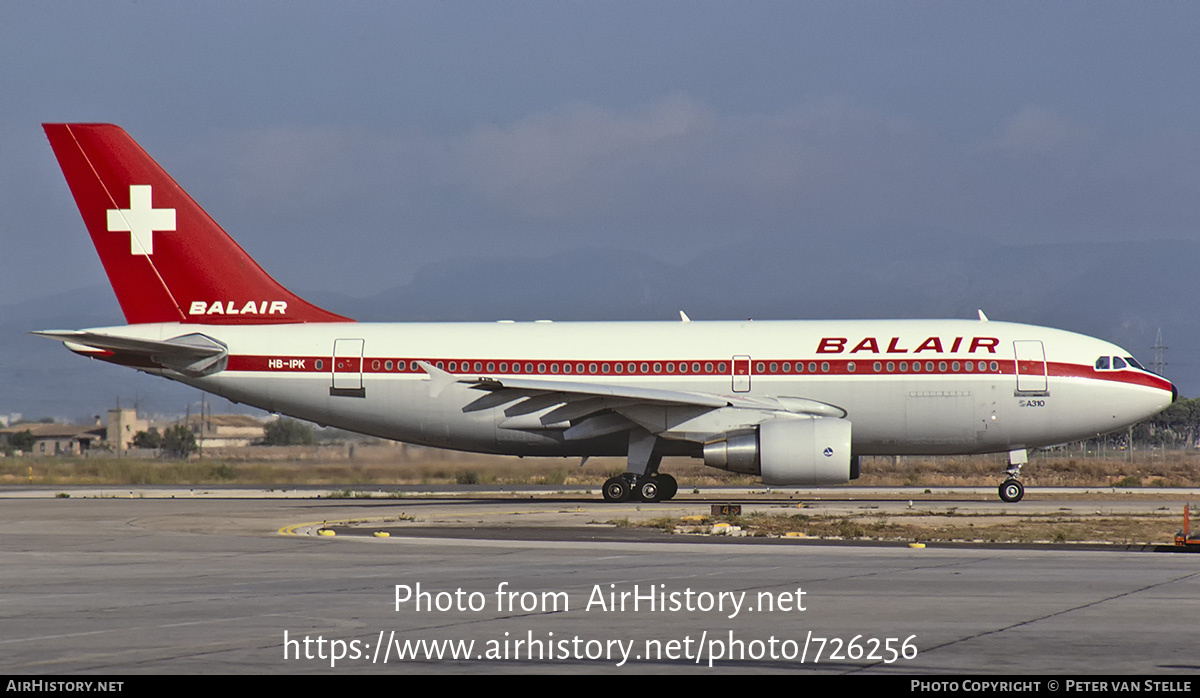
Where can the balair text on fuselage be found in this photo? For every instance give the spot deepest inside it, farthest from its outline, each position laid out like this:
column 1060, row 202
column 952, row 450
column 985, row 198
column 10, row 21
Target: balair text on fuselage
column 896, row 345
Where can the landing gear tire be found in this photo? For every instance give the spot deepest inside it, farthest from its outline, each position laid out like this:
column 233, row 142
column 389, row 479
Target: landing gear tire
column 649, row 489
column 667, row 486
column 616, row 489
column 1012, row 491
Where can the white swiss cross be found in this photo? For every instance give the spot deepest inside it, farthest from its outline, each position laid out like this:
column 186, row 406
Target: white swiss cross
column 140, row 220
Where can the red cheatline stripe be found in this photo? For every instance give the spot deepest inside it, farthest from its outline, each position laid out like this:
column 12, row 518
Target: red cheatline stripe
column 718, row 367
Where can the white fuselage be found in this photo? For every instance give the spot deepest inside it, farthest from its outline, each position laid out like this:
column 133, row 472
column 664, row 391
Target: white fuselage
column 907, row 386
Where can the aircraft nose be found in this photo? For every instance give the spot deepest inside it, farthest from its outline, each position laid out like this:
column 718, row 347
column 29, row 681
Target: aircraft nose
column 1174, row 393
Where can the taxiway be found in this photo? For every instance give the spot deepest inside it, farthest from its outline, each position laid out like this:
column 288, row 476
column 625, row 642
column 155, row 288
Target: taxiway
column 210, row 583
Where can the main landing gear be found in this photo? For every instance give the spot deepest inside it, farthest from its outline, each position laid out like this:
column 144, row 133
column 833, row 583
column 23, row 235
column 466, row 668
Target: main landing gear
column 658, row 487
column 641, row 480
column 1011, row 490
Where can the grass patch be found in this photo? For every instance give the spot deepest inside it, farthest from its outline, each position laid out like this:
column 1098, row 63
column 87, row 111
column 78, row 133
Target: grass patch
column 417, row 466
column 1132, row 529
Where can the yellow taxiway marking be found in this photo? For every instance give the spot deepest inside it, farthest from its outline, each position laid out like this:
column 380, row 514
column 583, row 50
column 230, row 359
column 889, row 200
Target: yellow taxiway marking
column 292, row 530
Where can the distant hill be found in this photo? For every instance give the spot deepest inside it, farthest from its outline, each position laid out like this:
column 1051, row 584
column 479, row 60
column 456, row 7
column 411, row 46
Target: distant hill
column 1122, row 292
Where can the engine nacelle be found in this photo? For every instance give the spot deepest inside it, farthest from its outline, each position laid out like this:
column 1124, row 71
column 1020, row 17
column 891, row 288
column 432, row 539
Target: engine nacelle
column 789, row 451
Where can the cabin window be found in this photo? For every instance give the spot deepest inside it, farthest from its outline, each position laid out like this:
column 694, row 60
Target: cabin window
column 850, row 367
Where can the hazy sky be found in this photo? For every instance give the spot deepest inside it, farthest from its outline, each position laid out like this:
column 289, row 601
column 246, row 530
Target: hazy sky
column 348, row 144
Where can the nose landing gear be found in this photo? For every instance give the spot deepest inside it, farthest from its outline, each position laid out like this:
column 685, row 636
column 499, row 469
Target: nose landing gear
column 1011, row 490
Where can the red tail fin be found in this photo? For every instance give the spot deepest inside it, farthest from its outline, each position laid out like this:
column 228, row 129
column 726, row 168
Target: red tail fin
column 167, row 260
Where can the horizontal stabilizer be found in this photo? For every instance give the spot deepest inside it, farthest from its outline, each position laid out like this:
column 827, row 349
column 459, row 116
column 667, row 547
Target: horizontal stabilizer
column 191, row 354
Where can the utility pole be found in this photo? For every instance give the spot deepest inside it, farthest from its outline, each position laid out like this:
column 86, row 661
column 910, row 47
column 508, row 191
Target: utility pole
column 202, row 425
column 1160, row 365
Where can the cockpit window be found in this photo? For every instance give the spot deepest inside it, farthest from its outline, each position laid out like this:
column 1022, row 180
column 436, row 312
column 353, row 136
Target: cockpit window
column 1118, row 362
column 1134, row 362
column 1102, row 363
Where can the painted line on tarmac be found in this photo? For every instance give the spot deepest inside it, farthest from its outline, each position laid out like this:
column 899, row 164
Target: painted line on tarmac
column 309, row 528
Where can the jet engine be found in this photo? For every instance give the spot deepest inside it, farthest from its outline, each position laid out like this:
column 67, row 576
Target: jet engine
column 788, row 451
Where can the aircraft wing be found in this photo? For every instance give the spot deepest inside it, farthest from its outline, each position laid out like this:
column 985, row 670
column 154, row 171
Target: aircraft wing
column 190, row 354
column 582, row 409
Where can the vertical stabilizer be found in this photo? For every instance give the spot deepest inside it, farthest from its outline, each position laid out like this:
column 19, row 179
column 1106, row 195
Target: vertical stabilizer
column 166, row 259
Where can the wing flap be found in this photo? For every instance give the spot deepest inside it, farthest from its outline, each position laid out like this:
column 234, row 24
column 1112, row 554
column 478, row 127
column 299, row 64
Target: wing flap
column 583, row 410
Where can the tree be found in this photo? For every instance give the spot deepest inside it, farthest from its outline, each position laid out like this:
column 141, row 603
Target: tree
column 23, row 441
column 288, row 432
column 178, row 442
column 148, row 439
column 1178, row 425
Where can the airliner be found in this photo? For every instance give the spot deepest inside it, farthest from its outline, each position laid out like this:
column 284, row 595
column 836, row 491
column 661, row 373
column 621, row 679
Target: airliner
column 795, row 403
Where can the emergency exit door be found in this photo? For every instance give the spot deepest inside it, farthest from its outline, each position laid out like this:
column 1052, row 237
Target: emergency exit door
column 741, row 374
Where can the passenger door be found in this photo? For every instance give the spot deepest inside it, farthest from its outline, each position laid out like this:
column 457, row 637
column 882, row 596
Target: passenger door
column 1031, row 366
